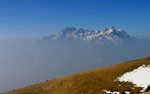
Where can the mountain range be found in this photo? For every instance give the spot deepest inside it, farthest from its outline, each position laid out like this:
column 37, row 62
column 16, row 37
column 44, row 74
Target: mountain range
column 110, row 34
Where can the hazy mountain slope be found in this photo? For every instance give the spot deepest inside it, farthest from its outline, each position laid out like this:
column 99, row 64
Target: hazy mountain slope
column 110, row 34
column 88, row 82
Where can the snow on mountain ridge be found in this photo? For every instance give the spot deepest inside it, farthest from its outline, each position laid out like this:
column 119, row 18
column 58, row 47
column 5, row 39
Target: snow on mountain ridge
column 72, row 33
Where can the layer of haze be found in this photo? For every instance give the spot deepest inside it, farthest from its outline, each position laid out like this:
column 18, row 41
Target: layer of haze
column 24, row 63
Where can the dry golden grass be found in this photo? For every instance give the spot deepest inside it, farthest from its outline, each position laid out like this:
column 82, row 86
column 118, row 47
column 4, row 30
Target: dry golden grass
column 146, row 93
column 88, row 82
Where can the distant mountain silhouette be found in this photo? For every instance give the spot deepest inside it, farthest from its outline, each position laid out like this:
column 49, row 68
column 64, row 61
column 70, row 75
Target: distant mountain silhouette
column 71, row 33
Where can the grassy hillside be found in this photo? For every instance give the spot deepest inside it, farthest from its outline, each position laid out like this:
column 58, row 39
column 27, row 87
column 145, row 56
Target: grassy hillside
column 146, row 93
column 88, row 82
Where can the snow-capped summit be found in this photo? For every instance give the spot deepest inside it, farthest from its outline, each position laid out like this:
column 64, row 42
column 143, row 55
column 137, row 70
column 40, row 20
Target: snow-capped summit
column 71, row 33
column 110, row 30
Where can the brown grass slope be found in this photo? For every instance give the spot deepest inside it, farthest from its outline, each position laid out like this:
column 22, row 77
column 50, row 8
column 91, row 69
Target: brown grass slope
column 146, row 93
column 88, row 82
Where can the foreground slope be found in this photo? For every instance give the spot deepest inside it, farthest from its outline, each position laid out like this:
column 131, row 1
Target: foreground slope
column 88, row 82
column 146, row 93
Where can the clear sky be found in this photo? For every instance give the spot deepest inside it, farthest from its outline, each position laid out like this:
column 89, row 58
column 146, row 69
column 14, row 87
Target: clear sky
column 36, row 18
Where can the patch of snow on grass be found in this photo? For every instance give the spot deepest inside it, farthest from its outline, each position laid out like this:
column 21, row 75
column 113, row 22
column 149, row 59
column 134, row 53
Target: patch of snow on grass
column 119, row 85
column 127, row 92
column 140, row 76
column 109, row 92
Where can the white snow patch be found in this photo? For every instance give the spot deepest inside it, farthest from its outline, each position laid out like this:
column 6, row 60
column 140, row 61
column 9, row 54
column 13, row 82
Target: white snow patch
column 127, row 92
column 109, row 92
column 119, row 85
column 140, row 76
column 116, row 92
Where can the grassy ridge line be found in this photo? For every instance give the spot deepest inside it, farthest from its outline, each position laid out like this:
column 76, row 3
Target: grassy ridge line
column 89, row 82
